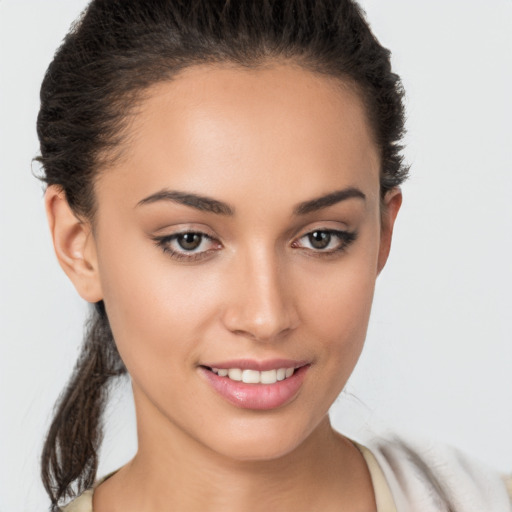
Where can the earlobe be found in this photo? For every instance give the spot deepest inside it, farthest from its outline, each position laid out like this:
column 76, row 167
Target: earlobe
column 389, row 210
column 74, row 245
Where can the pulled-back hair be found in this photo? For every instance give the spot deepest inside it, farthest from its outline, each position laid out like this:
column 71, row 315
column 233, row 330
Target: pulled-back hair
column 112, row 55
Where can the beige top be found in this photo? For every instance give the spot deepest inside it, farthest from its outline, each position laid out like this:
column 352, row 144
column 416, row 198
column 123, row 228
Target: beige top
column 381, row 489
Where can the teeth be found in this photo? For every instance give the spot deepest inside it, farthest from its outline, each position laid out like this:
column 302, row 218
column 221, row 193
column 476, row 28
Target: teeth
column 254, row 376
column 235, row 374
column 251, row 377
column 268, row 377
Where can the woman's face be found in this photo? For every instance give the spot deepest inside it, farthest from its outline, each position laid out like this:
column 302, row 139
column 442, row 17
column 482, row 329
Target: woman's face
column 241, row 231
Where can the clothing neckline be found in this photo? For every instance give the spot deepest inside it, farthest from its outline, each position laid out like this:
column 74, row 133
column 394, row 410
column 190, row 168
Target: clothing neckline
column 383, row 497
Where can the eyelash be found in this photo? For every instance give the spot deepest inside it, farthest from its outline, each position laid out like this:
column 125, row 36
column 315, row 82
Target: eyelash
column 346, row 238
column 164, row 242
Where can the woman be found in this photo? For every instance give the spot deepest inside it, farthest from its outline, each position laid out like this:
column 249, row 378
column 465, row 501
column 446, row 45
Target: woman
column 223, row 180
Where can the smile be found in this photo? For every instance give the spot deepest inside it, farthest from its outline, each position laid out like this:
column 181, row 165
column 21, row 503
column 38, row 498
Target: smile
column 254, row 376
column 256, row 385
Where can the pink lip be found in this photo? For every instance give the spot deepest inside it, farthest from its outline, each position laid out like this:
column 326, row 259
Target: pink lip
column 256, row 396
column 261, row 366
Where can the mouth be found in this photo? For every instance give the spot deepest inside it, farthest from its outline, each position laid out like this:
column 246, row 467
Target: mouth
column 244, row 385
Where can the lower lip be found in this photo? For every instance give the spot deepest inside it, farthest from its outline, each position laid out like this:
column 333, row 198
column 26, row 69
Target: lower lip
column 257, row 396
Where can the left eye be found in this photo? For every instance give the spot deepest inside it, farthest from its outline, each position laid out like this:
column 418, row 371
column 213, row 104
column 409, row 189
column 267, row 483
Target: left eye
column 325, row 240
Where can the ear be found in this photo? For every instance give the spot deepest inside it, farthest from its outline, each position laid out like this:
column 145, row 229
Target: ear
column 74, row 245
column 389, row 210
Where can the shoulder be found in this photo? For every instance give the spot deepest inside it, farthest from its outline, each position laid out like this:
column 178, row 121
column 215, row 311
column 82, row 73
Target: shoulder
column 429, row 477
column 84, row 502
column 81, row 504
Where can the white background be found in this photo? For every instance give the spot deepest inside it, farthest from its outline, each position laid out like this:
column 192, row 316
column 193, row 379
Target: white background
column 438, row 360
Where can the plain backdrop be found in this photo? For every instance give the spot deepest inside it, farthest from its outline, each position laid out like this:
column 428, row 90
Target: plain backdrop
column 438, row 358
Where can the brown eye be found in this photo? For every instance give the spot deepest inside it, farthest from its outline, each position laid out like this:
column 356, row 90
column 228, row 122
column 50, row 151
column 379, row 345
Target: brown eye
column 188, row 246
column 189, row 241
column 319, row 239
column 325, row 242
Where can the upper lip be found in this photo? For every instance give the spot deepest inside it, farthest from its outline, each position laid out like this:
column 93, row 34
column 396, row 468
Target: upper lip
column 252, row 364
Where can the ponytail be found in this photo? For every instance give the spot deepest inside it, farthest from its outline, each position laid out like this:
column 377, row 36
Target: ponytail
column 70, row 452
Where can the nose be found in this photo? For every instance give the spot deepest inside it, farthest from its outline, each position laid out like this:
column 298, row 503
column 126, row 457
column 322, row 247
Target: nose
column 261, row 304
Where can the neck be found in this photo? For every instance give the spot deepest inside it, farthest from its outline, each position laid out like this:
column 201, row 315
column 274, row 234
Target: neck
column 173, row 471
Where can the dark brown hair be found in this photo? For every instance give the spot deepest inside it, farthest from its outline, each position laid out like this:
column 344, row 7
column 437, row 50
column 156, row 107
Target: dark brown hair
column 113, row 53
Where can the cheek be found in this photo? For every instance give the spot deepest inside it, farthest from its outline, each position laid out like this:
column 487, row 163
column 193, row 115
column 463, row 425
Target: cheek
column 339, row 302
column 338, row 312
column 340, row 324
column 151, row 303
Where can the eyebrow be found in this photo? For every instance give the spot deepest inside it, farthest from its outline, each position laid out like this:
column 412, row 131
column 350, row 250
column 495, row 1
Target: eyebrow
column 328, row 200
column 208, row 204
column 202, row 203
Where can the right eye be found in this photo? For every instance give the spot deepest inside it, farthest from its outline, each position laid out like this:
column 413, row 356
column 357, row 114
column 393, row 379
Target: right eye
column 188, row 245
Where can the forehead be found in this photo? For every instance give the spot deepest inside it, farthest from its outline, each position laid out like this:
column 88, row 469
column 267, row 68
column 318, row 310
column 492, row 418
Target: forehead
column 277, row 130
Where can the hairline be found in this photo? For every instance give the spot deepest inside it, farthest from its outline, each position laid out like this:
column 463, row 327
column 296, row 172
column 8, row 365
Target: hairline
column 115, row 151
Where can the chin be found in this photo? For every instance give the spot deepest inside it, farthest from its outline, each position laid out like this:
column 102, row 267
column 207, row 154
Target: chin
column 261, row 440
column 256, row 450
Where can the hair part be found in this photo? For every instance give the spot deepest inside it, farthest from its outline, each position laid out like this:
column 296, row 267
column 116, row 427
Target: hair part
column 99, row 75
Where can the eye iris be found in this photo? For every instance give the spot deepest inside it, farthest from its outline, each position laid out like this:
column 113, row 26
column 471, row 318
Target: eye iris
column 189, row 241
column 320, row 239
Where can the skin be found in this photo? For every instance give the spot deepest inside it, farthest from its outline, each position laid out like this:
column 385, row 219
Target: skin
column 262, row 141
